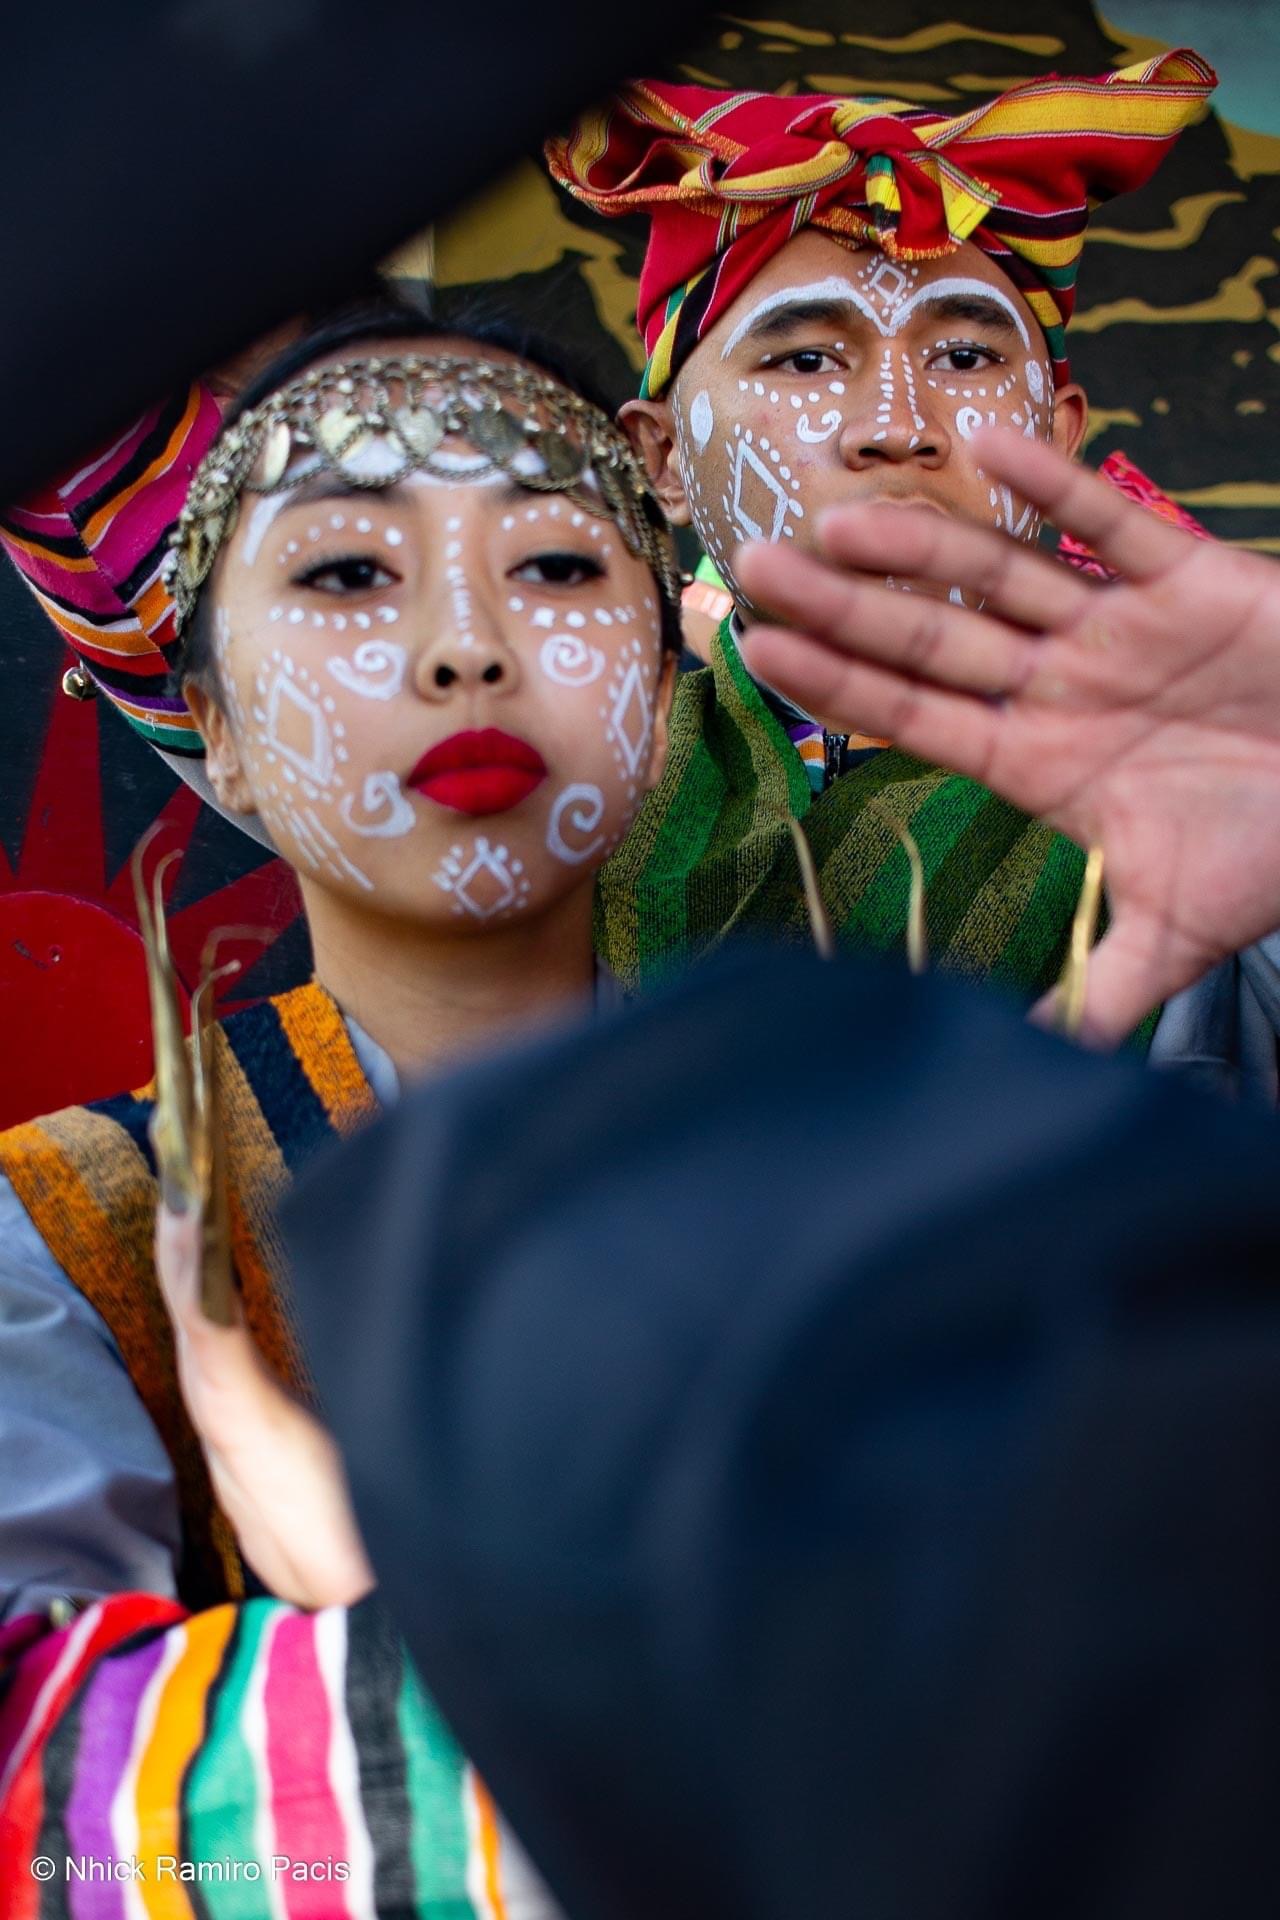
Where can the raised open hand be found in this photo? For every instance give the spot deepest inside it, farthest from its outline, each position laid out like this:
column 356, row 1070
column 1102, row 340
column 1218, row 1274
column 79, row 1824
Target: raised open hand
column 1143, row 716
column 276, row 1470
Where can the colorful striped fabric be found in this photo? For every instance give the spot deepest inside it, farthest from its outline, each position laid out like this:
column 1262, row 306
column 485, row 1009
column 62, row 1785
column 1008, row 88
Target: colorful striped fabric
column 247, row 1763
column 91, row 545
column 728, row 178
column 290, row 1085
column 711, row 852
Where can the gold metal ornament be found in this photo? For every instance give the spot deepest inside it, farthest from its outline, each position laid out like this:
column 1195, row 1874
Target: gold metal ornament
column 537, row 432
column 77, row 684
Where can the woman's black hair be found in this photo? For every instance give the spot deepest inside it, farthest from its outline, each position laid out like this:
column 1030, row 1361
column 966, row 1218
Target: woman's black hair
column 393, row 312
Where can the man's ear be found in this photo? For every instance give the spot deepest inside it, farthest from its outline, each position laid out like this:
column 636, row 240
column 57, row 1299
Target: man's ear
column 222, row 761
column 660, row 739
column 1070, row 418
column 649, row 426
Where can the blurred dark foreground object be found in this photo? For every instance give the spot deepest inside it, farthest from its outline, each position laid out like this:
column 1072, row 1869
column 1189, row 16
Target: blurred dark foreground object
column 183, row 174
column 821, row 1439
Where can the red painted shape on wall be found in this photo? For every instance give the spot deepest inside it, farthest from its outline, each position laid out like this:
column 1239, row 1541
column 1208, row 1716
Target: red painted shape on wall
column 78, row 976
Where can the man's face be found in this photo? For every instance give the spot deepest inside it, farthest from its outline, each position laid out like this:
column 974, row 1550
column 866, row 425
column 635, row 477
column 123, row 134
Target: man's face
column 839, row 375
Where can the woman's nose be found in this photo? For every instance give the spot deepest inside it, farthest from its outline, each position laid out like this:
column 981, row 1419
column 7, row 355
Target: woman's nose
column 468, row 652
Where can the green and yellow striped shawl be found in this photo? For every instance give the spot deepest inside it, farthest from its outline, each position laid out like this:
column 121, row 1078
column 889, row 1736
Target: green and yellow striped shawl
column 711, row 853
column 290, row 1084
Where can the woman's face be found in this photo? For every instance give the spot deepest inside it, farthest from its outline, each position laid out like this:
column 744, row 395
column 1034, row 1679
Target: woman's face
column 446, row 698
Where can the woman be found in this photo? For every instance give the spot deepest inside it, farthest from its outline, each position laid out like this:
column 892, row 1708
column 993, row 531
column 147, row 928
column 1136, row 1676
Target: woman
column 429, row 616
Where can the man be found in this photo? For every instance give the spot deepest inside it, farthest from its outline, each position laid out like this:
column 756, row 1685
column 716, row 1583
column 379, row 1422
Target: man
column 1143, row 717
column 836, row 295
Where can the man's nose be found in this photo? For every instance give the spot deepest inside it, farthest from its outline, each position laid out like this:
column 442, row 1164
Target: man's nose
column 896, row 419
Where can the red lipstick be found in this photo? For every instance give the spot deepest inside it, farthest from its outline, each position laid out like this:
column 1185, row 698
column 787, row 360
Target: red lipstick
column 480, row 772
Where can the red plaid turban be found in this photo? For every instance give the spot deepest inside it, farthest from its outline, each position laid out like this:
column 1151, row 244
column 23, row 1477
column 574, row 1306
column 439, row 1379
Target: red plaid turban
column 728, row 178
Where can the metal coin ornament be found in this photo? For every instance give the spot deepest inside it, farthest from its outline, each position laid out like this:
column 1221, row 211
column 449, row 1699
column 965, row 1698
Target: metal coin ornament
column 374, row 421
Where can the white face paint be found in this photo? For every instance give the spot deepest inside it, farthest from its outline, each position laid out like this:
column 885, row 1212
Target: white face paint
column 375, row 671
column 701, row 420
column 484, row 880
column 628, row 713
column 567, row 659
column 761, row 505
column 579, row 811
column 887, row 316
column 385, row 812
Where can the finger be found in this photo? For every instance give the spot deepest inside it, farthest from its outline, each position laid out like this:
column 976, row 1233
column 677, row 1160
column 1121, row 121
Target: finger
column 1136, row 543
column 937, row 724
column 911, row 632
column 178, row 1244
column 915, row 543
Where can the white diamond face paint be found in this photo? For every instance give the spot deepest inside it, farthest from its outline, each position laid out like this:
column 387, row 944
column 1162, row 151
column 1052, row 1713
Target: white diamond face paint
column 577, row 811
column 629, row 715
column 567, row 659
column 375, row 671
column 702, row 422
column 484, row 880
column 296, row 730
column 761, row 504
column 384, row 811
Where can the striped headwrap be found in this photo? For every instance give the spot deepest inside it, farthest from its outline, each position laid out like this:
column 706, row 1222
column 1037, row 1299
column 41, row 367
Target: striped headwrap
column 728, row 178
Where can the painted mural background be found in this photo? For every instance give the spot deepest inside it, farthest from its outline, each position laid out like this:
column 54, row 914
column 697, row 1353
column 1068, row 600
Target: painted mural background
column 1176, row 337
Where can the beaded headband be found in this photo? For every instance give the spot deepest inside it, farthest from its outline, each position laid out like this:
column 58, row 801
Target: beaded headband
column 373, row 421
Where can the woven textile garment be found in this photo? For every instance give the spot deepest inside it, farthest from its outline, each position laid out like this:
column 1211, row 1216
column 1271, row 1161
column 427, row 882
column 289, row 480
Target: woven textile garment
column 728, row 178
column 711, row 852
column 227, row 1737
column 291, row 1084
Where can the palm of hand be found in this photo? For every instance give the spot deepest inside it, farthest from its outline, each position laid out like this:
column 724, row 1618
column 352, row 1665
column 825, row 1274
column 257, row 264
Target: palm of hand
column 1143, row 717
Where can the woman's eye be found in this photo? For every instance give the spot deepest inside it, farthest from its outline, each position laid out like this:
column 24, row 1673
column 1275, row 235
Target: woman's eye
column 354, row 574
column 968, row 360
column 810, row 360
column 558, row 569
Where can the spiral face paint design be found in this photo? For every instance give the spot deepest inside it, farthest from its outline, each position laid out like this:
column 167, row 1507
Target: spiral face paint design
column 387, row 813
column 579, row 811
column 375, row 670
column 570, row 661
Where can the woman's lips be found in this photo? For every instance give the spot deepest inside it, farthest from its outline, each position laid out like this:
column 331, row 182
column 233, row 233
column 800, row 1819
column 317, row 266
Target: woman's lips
column 482, row 772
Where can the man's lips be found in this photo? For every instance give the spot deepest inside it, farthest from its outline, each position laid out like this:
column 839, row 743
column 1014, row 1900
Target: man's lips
column 482, row 772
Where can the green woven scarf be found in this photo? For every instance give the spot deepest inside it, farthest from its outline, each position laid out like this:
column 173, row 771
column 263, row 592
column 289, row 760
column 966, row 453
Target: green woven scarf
column 711, row 852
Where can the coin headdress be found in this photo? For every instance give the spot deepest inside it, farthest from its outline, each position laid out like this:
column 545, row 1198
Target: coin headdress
column 373, row 421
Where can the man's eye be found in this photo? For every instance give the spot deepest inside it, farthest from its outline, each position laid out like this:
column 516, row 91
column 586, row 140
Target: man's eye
column 558, row 569
column 355, row 573
column 967, row 359
column 810, row 361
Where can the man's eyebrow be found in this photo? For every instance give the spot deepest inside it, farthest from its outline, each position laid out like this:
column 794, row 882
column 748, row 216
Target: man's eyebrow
column 972, row 307
column 777, row 321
